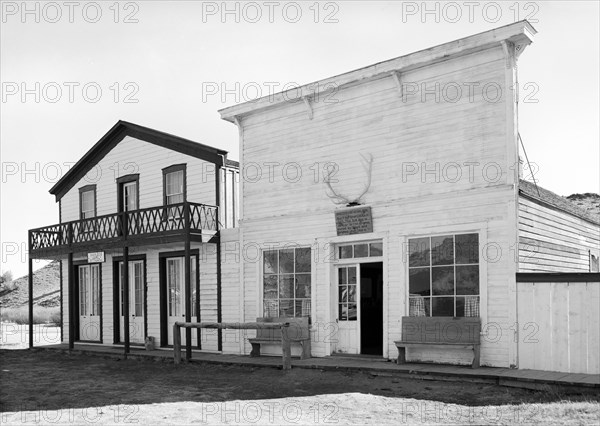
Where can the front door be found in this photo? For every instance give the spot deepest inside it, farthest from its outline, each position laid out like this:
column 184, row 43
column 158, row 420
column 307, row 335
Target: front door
column 137, row 301
column 371, row 308
column 176, row 296
column 348, row 309
column 360, row 308
column 89, row 302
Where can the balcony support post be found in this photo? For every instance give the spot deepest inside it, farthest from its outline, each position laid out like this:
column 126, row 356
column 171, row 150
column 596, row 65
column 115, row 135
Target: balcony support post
column 188, row 282
column 30, row 282
column 125, row 282
column 71, row 287
column 218, row 175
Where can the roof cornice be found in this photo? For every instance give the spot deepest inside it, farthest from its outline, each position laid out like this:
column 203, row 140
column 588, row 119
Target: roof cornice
column 519, row 33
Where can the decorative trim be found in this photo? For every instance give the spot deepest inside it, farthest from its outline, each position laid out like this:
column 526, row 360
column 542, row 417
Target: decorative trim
column 397, row 76
column 308, row 107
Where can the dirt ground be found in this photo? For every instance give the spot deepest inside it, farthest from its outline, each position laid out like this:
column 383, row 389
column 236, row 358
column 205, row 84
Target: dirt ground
column 44, row 381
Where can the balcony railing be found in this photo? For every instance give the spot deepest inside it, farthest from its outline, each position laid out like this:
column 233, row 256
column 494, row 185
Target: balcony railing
column 173, row 219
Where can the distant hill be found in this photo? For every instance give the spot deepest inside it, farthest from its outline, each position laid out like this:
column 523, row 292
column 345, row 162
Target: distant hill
column 46, row 288
column 588, row 201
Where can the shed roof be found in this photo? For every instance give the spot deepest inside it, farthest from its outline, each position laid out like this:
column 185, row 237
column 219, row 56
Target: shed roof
column 549, row 198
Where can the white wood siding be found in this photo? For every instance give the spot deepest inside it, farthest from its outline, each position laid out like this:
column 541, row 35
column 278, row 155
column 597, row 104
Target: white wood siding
column 554, row 241
column 230, row 289
column 372, row 118
column 135, row 156
column 208, row 290
column 559, row 326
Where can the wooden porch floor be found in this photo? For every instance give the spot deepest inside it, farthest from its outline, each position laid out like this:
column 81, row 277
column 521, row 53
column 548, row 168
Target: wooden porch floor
column 532, row 379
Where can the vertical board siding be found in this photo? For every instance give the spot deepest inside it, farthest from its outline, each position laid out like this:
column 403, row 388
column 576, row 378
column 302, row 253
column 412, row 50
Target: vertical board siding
column 558, row 326
column 135, row 156
column 554, row 241
column 371, row 117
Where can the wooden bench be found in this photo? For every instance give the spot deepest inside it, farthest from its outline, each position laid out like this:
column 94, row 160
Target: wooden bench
column 298, row 332
column 445, row 332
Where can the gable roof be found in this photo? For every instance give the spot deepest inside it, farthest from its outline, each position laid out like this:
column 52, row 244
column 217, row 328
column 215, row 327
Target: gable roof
column 116, row 134
column 555, row 201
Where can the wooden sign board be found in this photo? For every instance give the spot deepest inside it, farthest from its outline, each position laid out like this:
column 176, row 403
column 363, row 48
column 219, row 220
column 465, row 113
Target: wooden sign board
column 356, row 220
column 96, row 257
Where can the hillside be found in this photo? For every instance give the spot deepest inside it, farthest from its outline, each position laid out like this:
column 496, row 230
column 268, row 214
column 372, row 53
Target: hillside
column 46, row 288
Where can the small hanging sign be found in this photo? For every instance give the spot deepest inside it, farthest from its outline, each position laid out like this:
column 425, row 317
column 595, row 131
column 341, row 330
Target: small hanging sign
column 96, row 257
column 356, row 220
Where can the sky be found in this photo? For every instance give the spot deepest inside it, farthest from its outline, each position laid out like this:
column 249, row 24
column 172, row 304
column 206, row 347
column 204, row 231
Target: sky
column 70, row 70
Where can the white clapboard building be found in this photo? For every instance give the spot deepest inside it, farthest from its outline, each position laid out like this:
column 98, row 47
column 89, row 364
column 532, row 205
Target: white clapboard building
column 368, row 200
column 394, row 191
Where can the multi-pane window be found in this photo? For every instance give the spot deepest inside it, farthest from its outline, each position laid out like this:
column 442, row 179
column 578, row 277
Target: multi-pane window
column 89, row 290
column 444, row 276
column 174, row 187
column 287, row 282
column 88, row 204
column 347, row 304
column 349, row 251
column 176, row 285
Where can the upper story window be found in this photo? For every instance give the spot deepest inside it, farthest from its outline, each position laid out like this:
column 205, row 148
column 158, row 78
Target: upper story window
column 443, row 276
column 128, row 192
column 87, row 201
column 174, row 184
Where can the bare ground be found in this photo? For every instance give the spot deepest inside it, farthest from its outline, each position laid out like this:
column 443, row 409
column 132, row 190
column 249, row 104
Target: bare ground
column 49, row 382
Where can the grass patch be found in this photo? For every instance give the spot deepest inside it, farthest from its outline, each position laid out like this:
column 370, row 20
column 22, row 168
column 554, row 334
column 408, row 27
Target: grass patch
column 40, row 315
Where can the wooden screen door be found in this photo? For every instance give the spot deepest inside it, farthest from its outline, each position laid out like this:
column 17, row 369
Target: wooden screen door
column 89, row 302
column 137, row 301
column 348, row 309
column 176, row 296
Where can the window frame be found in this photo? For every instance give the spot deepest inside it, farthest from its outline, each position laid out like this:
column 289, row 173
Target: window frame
column 82, row 190
column 310, row 273
column 478, row 228
column 121, row 190
column 173, row 169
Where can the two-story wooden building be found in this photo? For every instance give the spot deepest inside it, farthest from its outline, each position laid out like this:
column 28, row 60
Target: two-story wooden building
column 387, row 192
column 150, row 201
column 393, row 191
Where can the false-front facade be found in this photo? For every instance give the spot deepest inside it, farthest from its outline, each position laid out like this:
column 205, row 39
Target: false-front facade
column 392, row 191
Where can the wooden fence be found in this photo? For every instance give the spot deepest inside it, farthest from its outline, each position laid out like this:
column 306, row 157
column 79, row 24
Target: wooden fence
column 285, row 341
column 558, row 321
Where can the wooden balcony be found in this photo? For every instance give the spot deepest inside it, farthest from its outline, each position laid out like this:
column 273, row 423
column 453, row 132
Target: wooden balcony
column 154, row 225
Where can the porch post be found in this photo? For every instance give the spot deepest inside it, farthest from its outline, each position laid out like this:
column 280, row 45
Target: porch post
column 72, row 301
column 188, row 284
column 30, row 281
column 218, row 175
column 125, row 281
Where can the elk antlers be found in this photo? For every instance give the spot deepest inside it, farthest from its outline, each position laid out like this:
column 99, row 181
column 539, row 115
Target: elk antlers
column 367, row 163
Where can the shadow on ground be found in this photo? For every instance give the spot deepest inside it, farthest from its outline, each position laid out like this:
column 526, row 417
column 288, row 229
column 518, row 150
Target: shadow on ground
column 53, row 381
